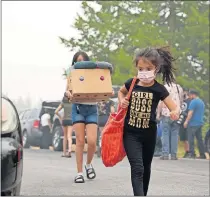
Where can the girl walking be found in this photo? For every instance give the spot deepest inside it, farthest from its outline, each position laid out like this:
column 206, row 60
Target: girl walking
column 66, row 121
column 85, row 120
column 140, row 127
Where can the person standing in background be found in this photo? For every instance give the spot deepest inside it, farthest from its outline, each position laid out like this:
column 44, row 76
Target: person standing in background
column 104, row 110
column 194, row 123
column 170, row 128
column 183, row 131
column 46, row 127
column 66, row 121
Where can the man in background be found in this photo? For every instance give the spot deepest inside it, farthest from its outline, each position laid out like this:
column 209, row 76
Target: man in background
column 46, row 129
column 170, row 128
column 183, row 131
column 194, row 123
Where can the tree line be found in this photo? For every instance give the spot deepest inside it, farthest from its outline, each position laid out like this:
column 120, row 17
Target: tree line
column 112, row 30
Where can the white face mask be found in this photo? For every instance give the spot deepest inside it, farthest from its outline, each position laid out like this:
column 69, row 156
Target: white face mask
column 146, row 76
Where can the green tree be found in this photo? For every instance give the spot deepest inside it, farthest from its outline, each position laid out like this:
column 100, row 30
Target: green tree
column 113, row 33
column 119, row 27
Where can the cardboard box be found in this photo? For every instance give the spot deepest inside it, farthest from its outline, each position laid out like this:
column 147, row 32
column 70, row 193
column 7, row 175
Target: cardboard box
column 90, row 85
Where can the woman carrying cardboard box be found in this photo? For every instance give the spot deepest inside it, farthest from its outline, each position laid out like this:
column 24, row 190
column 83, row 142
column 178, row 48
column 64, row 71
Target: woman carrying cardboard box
column 85, row 118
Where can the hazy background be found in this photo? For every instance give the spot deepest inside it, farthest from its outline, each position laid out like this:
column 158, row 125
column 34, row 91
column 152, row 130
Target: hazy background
column 33, row 57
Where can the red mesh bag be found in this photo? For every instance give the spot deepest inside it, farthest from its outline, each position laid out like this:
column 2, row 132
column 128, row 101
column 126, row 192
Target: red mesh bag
column 112, row 148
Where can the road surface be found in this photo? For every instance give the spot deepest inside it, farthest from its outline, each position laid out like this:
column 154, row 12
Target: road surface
column 47, row 173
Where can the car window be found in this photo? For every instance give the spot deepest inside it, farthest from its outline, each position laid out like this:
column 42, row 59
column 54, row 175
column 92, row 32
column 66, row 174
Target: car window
column 34, row 113
column 26, row 114
column 9, row 117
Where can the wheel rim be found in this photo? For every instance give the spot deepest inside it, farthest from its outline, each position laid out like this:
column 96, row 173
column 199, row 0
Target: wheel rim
column 24, row 138
column 56, row 139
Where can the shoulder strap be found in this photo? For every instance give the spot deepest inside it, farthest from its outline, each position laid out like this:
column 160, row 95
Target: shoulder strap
column 131, row 88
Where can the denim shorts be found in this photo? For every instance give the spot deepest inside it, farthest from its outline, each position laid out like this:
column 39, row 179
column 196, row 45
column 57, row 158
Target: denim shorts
column 66, row 123
column 82, row 113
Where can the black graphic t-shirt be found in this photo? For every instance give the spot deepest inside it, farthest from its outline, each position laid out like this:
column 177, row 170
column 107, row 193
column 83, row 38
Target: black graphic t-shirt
column 143, row 104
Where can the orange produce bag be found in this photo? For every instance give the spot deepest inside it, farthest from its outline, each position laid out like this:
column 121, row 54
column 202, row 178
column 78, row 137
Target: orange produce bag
column 112, row 148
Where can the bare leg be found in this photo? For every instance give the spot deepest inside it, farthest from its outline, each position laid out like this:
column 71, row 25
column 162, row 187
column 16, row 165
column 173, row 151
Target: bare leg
column 79, row 129
column 69, row 138
column 91, row 141
column 64, row 140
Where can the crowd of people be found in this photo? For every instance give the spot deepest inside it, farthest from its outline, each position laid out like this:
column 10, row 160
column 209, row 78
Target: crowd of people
column 186, row 128
column 178, row 113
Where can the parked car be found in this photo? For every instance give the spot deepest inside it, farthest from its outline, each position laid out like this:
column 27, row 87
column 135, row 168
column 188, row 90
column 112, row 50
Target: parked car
column 32, row 131
column 30, row 127
column 11, row 150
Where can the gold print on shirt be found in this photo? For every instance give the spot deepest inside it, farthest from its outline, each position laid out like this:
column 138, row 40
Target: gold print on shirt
column 140, row 111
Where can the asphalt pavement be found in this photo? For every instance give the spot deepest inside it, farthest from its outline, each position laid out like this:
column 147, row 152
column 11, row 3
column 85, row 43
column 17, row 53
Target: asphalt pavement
column 47, row 173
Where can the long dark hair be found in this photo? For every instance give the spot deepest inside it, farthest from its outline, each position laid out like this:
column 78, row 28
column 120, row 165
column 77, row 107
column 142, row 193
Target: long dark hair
column 76, row 55
column 161, row 58
column 74, row 60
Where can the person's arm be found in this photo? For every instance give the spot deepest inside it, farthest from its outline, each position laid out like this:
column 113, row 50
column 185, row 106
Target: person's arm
column 57, row 110
column 159, row 109
column 49, row 122
column 68, row 86
column 122, row 93
column 169, row 103
column 122, row 97
column 191, row 109
column 189, row 116
column 174, row 109
column 112, row 109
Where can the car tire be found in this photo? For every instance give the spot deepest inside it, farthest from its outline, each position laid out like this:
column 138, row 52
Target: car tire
column 57, row 141
column 17, row 190
column 13, row 192
column 25, row 140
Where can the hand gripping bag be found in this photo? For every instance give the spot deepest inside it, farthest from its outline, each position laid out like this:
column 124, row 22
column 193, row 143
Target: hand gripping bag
column 112, row 148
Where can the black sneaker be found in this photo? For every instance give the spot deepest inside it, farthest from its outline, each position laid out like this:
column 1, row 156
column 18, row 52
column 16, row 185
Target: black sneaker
column 162, row 157
column 190, row 156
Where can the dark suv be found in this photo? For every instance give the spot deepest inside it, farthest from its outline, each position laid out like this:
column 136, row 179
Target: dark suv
column 31, row 127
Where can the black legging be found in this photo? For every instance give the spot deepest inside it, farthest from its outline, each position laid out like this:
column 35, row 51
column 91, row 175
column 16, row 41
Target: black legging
column 140, row 149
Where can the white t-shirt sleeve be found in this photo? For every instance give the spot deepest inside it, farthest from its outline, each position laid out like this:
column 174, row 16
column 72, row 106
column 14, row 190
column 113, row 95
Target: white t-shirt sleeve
column 44, row 119
column 47, row 116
